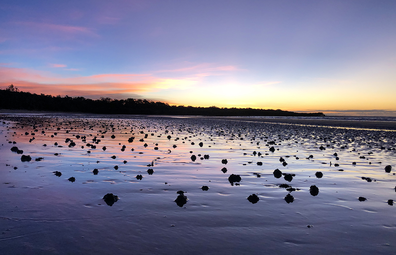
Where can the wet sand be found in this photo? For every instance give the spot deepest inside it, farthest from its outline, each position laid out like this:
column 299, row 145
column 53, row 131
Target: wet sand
column 193, row 185
column 385, row 125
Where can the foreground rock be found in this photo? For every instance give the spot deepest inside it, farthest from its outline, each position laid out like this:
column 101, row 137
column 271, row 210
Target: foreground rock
column 253, row 198
column 234, row 178
column 110, row 199
column 181, row 199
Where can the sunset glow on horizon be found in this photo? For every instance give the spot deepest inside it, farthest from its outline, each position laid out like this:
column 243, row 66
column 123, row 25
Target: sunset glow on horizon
column 337, row 57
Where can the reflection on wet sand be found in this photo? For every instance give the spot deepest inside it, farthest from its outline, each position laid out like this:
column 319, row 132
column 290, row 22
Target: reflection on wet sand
column 222, row 165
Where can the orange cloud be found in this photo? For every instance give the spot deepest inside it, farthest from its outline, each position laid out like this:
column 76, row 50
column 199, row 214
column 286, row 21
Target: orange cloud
column 89, row 86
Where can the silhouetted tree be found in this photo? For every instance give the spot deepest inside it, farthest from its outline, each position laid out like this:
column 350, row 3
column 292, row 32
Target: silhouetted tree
column 12, row 98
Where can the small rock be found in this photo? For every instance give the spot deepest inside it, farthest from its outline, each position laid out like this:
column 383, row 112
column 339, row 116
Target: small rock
column 26, row 158
column 253, row 198
column 181, row 199
column 288, row 177
column 361, row 199
column 314, row 190
column 110, row 199
column 319, row 174
column 57, row 173
column 277, row 173
column 289, row 198
column 205, row 188
column 72, row 179
column 234, row 178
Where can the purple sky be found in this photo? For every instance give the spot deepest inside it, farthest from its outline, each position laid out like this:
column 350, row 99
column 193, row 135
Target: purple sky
column 330, row 56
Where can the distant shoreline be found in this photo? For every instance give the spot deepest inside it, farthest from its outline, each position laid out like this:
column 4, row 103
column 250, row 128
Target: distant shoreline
column 12, row 98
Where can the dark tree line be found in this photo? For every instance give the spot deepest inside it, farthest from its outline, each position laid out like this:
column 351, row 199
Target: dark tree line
column 12, row 98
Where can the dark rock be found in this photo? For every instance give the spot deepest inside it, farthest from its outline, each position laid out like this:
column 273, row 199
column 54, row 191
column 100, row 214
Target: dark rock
column 284, row 163
column 368, row 179
column 200, row 144
column 259, row 163
column 26, row 158
column 272, row 149
column 193, row 158
column 277, row 173
column 206, row 156
column 150, row 171
column 284, row 185
column 139, row 177
column 181, row 199
column 253, row 198
column 361, row 199
column 314, row 190
column 388, row 168
column 288, row 177
column 224, row 170
column 205, row 188
column 72, row 179
column 116, row 167
column 114, row 157
column 57, row 173
column 104, row 148
column 390, row 202
column 110, row 199
column 234, row 178
column 224, row 161
column 39, row 159
column 95, row 171
column 319, row 174
column 289, row 198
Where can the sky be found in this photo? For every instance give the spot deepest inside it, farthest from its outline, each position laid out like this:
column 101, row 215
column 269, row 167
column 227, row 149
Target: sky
column 337, row 57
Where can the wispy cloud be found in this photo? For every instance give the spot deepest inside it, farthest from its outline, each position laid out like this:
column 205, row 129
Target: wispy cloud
column 57, row 65
column 201, row 68
column 49, row 28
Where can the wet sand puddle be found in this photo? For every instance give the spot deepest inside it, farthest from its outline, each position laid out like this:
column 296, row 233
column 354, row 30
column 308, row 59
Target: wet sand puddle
column 193, row 185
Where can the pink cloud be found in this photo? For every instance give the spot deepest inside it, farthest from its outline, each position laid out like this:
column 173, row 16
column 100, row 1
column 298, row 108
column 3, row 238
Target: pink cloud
column 58, row 65
column 90, row 86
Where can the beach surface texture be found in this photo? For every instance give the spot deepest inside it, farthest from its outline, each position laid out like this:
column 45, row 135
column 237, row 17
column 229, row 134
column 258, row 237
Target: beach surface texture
column 118, row 184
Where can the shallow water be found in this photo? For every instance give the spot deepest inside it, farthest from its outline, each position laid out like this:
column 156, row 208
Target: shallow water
column 43, row 213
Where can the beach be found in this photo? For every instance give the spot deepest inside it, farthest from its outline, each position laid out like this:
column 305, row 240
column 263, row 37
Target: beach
column 196, row 185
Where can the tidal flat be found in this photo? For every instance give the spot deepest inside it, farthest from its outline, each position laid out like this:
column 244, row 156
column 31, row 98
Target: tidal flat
column 80, row 184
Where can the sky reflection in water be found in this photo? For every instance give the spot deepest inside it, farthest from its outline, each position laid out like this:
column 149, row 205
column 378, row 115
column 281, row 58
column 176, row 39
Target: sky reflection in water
column 323, row 172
